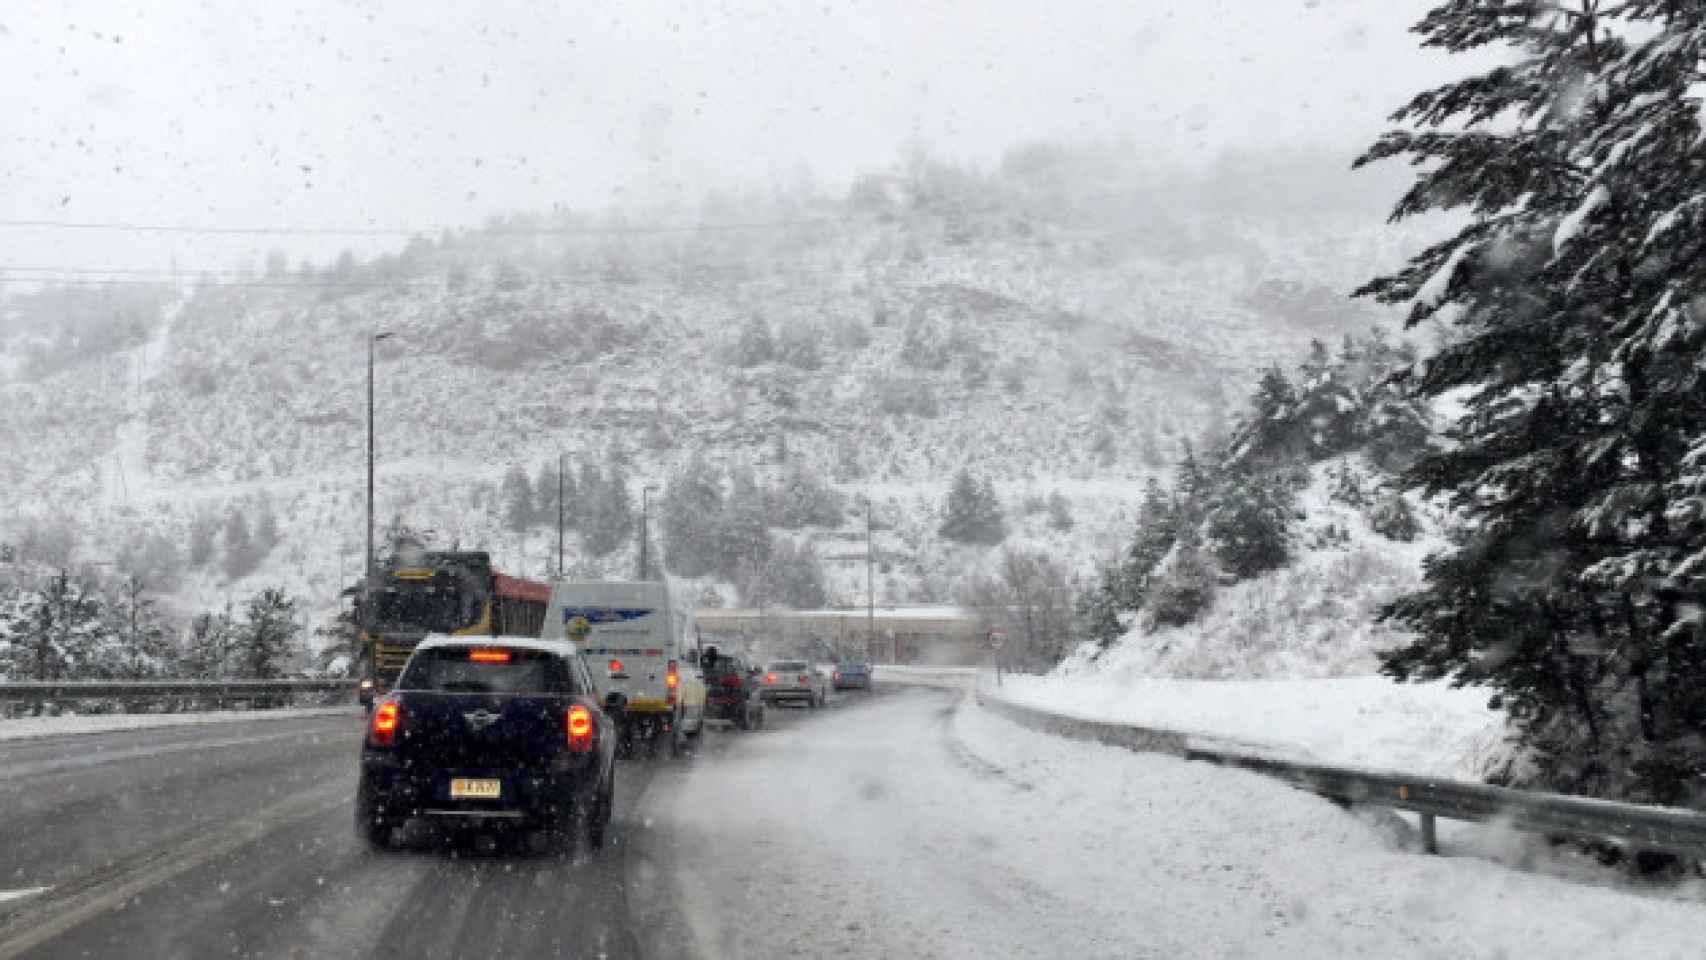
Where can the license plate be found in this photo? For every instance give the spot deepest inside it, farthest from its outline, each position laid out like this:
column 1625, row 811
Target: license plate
column 465, row 789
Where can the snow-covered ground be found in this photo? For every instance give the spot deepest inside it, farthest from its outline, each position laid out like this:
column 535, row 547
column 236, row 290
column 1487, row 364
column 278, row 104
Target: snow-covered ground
column 1367, row 722
column 25, row 727
column 914, row 826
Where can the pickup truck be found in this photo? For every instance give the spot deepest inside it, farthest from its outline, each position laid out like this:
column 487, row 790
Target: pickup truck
column 491, row 734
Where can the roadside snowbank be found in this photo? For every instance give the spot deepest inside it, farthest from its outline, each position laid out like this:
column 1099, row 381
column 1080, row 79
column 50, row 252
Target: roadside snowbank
column 1228, row 863
column 26, row 727
column 1367, row 722
column 907, row 825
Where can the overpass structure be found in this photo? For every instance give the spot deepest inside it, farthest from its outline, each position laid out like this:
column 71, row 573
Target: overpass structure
column 889, row 634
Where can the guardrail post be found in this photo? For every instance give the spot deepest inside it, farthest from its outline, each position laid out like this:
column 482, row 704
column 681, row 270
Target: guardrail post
column 1430, row 840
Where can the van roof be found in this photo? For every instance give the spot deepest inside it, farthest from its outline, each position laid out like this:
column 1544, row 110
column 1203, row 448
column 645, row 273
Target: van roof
column 609, row 591
column 562, row 648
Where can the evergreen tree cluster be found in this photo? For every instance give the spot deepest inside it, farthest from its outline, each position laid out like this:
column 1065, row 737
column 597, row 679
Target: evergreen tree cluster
column 596, row 503
column 240, row 539
column 67, row 627
column 1234, row 516
column 972, row 513
column 1332, row 404
column 719, row 523
column 1573, row 304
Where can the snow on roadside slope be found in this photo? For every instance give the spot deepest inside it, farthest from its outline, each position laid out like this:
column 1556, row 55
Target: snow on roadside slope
column 1314, row 617
column 28, row 727
column 1292, row 875
column 905, row 825
column 1368, row 722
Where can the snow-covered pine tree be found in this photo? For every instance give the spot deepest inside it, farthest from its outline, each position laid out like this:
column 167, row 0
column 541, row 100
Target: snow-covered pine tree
column 991, row 519
column 690, row 516
column 265, row 637
column 1125, row 585
column 60, row 631
column 588, row 487
column 517, row 498
column 801, row 499
column 972, row 513
column 1269, row 433
column 743, row 537
column 1248, row 526
column 1573, row 298
column 209, row 653
column 144, row 649
column 545, row 493
column 612, row 513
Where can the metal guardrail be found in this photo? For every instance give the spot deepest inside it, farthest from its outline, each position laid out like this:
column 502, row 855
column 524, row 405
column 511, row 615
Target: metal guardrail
column 100, row 689
column 1649, row 828
column 26, row 693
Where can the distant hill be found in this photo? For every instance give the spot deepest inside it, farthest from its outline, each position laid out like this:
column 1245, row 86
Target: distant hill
column 1045, row 326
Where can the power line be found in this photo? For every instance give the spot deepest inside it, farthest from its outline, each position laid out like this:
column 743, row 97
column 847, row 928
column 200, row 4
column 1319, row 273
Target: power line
column 417, row 232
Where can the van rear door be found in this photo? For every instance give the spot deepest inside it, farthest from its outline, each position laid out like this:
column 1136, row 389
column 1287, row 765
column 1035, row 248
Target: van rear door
column 628, row 651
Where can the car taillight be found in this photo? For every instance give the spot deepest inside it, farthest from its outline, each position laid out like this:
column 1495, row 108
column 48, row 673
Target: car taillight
column 578, row 724
column 770, row 678
column 672, row 680
column 615, row 667
column 837, row 675
column 805, row 679
column 386, row 718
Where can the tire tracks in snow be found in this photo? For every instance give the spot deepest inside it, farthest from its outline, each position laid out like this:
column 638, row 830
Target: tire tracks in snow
column 963, row 756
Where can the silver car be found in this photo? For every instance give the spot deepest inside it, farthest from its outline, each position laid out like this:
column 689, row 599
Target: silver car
column 797, row 681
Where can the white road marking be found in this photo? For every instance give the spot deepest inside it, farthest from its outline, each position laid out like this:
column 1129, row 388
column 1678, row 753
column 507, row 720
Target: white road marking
column 8, row 895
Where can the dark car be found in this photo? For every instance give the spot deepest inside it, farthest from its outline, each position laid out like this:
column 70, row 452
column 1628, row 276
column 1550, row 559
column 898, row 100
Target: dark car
column 852, row 675
column 492, row 733
column 733, row 689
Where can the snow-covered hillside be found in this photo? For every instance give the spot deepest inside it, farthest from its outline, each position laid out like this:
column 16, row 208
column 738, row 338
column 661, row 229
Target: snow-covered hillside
column 1313, row 617
column 886, row 352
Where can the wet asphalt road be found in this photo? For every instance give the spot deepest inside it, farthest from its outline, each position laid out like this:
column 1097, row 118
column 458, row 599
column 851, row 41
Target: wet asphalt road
column 236, row 840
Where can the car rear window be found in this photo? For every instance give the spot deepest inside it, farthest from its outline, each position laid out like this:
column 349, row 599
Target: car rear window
column 486, row 670
column 788, row 665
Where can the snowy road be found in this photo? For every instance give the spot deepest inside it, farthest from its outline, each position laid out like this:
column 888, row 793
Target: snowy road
column 900, row 824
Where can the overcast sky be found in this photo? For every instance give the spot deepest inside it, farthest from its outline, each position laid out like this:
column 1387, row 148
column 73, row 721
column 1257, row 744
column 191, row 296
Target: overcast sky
column 430, row 114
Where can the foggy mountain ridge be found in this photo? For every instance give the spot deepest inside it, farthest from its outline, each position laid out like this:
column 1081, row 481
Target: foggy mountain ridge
column 926, row 324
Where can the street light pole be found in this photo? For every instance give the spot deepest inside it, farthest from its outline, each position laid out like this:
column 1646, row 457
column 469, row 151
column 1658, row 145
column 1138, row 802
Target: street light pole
column 560, row 467
column 871, row 583
column 371, row 340
column 645, row 529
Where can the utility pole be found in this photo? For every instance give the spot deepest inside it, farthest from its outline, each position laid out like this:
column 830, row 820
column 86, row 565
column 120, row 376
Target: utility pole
column 371, row 340
column 870, row 581
column 560, row 468
column 645, row 529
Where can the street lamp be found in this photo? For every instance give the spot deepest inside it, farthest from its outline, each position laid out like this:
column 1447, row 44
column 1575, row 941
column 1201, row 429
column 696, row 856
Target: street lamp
column 371, row 340
column 645, row 528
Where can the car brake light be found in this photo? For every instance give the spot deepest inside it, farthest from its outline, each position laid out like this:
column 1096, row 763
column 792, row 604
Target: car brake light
column 386, row 717
column 672, row 680
column 770, row 678
column 615, row 667
column 578, row 724
column 488, row 656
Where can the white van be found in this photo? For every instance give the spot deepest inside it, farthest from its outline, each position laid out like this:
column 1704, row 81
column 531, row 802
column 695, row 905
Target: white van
column 638, row 641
